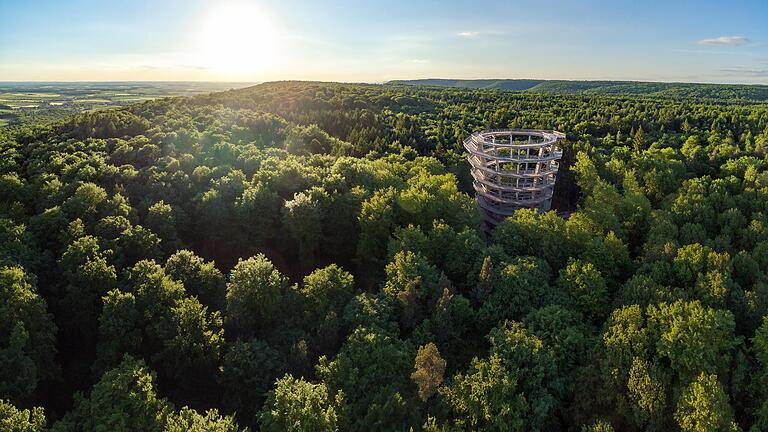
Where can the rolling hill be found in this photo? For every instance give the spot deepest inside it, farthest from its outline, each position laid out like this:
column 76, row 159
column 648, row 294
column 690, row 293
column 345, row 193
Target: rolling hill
column 720, row 92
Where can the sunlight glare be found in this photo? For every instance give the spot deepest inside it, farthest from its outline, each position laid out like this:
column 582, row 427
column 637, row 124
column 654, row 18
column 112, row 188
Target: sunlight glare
column 237, row 37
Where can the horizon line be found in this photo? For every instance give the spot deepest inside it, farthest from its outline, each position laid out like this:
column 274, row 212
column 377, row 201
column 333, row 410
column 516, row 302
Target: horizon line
column 86, row 81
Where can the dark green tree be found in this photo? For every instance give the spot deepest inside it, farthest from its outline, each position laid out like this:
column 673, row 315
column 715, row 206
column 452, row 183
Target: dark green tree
column 27, row 336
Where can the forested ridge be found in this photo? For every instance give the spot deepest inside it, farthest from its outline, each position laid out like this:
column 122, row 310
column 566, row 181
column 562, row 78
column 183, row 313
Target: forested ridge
column 307, row 256
column 731, row 93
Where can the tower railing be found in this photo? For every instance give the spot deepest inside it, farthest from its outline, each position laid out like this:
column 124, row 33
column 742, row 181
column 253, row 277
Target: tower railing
column 513, row 169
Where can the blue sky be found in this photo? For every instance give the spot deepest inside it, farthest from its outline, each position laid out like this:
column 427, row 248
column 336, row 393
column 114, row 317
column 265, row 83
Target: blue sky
column 374, row 41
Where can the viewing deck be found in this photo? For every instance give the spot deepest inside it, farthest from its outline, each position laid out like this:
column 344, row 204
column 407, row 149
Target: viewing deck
column 513, row 169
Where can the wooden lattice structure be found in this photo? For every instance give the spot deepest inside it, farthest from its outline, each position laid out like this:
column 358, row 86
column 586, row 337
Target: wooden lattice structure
column 513, row 169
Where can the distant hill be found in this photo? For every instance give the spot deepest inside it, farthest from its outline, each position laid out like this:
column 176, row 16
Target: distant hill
column 500, row 84
column 723, row 92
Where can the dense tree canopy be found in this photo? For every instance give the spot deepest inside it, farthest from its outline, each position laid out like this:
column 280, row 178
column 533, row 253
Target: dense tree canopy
column 307, row 256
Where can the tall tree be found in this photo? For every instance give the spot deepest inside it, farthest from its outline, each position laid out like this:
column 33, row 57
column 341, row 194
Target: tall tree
column 297, row 405
column 429, row 370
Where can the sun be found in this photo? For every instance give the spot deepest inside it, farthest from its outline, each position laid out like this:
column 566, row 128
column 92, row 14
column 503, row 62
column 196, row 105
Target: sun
column 237, row 38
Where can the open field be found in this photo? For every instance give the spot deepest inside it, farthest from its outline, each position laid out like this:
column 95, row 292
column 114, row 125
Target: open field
column 30, row 102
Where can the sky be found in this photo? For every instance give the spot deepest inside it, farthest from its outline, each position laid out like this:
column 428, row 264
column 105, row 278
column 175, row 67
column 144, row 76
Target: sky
column 376, row 41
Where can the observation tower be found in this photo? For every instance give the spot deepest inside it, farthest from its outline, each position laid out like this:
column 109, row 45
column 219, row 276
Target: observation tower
column 513, row 169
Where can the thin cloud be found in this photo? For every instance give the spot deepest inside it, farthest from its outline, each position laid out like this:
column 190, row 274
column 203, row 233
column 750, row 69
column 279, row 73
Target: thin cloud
column 169, row 66
column 468, row 34
column 746, row 72
column 195, row 67
column 707, row 51
column 419, row 61
column 725, row 40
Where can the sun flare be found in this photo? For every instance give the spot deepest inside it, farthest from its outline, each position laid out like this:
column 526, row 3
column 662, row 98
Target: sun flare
column 237, row 37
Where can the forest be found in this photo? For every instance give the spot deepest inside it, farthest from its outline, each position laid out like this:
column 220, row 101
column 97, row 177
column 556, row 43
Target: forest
column 732, row 93
column 305, row 256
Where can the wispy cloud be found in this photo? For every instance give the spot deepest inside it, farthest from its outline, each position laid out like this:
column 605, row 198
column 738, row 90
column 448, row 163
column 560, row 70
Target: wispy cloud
column 468, row 34
column 194, row 67
column 708, row 51
column 725, row 40
column 746, row 72
column 167, row 67
column 419, row 61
